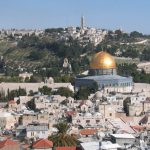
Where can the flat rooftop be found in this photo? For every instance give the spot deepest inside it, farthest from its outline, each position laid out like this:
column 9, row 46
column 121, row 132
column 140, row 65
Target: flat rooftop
column 95, row 145
column 123, row 136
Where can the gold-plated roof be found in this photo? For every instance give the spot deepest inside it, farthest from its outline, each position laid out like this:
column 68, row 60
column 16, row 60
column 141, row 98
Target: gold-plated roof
column 103, row 60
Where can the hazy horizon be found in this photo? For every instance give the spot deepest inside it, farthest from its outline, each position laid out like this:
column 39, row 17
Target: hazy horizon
column 105, row 14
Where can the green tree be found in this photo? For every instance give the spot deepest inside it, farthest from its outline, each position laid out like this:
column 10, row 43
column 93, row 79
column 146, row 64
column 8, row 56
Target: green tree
column 130, row 52
column 54, row 30
column 63, row 91
column 131, row 70
column 45, row 90
column 31, row 93
column 135, row 34
column 65, row 78
column 61, row 138
column 31, row 104
column 28, row 41
column 53, row 72
column 16, row 93
column 145, row 55
column 12, row 94
column 126, row 102
column 85, row 91
column 35, row 79
column 2, row 96
column 94, row 87
column 27, row 79
column 82, row 93
column 22, row 92
column 37, row 55
column 75, row 67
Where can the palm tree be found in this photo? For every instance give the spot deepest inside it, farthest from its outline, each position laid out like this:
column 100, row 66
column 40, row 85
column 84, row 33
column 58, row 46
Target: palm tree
column 62, row 138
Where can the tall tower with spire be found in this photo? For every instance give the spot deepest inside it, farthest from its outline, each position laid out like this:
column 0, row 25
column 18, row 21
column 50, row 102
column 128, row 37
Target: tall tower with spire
column 82, row 22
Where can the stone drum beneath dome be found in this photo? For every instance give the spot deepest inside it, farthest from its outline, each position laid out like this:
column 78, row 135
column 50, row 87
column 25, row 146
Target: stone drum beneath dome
column 103, row 71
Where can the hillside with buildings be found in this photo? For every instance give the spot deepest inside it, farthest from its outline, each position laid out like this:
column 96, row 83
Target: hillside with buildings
column 73, row 83
column 74, row 88
column 43, row 52
column 101, row 111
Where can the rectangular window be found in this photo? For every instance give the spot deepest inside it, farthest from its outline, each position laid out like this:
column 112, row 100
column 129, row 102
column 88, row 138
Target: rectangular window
column 87, row 121
column 97, row 121
column 32, row 133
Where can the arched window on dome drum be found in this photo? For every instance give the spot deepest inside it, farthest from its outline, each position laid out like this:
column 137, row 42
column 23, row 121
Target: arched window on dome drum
column 93, row 72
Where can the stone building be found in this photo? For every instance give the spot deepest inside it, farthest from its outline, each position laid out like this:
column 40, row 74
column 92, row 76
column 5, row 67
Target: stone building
column 36, row 131
column 31, row 118
column 88, row 119
column 7, row 120
column 108, row 110
column 9, row 144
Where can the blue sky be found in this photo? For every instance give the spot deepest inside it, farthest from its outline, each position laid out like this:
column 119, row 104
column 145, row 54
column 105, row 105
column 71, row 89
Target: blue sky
column 109, row 14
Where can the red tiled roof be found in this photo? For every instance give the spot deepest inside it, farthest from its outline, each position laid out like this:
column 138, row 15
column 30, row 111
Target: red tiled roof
column 71, row 113
column 66, row 148
column 127, row 118
column 25, row 146
column 12, row 102
column 83, row 103
column 138, row 127
column 88, row 131
column 42, row 143
column 144, row 120
column 7, row 142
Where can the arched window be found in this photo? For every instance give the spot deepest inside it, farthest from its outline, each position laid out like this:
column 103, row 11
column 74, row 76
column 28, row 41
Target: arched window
column 78, row 121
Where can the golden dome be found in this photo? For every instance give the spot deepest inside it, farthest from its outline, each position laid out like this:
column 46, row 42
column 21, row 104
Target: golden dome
column 103, row 60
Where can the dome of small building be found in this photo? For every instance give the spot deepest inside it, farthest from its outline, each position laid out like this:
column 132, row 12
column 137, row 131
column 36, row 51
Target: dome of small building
column 97, row 114
column 88, row 115
column 89, row 103
column 98, row 94
column 103, row 60
column 70, row 99
column 70, row 87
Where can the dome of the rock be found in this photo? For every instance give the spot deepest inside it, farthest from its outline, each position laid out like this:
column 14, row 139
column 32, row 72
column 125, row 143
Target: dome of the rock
column 103, row 60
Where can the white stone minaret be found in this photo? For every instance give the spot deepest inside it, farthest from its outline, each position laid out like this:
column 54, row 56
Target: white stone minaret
column 82, row 22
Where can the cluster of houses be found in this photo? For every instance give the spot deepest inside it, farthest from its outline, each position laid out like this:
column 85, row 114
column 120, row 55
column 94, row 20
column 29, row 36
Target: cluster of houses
column 83, row 34
column 106, row 121
column 87, row 35
column 18, row 34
